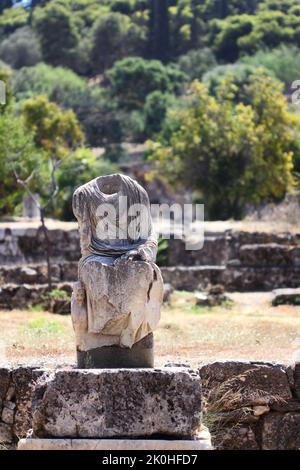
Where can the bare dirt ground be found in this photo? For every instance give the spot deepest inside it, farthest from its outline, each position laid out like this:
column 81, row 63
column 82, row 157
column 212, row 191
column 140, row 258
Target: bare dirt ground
column 249, row 328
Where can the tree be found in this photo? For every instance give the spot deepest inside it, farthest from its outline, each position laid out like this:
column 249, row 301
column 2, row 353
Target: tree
column 197, row 62
column 5, row 4
column 81, row 167
column 114, row 36
column 233, row 153
column 155, row 110
column 159, row 37
column 17, row 153
column 12, row 19
column 58, row 34
column 245, row 34
column 239, row 75
column 282, row 62
column 55, row 131
column 226, row 34
column 133, row 78
column 21, row 48
column 95, row 109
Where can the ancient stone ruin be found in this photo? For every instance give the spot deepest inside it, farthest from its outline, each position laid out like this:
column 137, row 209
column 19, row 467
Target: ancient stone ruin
column 115, row 398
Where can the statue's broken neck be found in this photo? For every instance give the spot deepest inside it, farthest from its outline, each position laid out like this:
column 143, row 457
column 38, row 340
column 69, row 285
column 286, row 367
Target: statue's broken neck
column 109, row 185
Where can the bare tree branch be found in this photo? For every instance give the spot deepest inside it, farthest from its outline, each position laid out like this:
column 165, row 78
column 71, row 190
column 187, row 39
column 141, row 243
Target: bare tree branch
column 24, row 184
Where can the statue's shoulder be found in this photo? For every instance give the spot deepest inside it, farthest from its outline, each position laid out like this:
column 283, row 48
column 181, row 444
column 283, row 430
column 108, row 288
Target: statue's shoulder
column 86, row 189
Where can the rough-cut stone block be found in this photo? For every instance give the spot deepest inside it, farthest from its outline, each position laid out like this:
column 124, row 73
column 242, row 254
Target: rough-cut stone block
column 286, row 297
column 119, row 403
column 7, row 415
column 249, row 383
column 6, row 434
column 281, row 431
column 4, row 383
column 238, row 437
column 285, row 406
column 269, row 254
column 192, row 278
column 24, row 380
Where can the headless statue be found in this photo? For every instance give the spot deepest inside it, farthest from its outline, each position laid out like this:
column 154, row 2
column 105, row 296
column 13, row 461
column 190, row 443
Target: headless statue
column 116, row 301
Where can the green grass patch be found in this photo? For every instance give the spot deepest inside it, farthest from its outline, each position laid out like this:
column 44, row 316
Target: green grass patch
column 41, row 326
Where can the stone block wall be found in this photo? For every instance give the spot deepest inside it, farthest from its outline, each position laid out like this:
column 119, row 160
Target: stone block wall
column 252, row 405
column 27, row 245
column 246, row 405
column 16, row 393
column 240, row 261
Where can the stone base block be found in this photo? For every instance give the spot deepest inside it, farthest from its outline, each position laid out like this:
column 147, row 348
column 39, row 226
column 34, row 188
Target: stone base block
column 116, row 444
column 114, row 357
column 118, row 403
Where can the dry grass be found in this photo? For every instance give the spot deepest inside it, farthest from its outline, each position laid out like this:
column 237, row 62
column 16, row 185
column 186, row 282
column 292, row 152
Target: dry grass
column 250, row 329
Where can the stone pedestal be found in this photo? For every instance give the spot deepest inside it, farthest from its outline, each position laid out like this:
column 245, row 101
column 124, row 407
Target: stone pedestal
column 124, row 403
column 118, row 409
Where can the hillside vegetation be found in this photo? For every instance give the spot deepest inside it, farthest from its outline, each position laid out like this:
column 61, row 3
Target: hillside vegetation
column 206, row 83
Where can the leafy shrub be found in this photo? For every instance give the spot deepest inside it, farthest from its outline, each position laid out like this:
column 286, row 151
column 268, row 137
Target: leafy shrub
column 21, row 49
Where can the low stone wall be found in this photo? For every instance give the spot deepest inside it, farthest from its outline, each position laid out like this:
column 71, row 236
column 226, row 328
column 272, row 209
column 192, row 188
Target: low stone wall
column 27, row 245
column 21, row 286
column 246, row 405
column 241, row 261
column 248, row 249
column 16, row 392
column 240, row 279
column 252, row 405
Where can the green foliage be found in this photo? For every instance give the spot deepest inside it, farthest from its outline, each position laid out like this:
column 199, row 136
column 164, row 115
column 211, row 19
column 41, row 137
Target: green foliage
column 223, row 8
column 5, row 4
column 79, row 168
column 283, row 63
column 126, row 97
column 17, row 152
column 55, row 131
column 197, row 62
column 113, row 37
column 226, row 35
column 21, row 49
column 162, row 252
column 155, row 110
column 133, row 78
column 11, row 19
column 57, row 31
column 58, row 84
column 95, row 109
column 237, row 35
column 233, row 153
column 238, row 75
column 58, row 294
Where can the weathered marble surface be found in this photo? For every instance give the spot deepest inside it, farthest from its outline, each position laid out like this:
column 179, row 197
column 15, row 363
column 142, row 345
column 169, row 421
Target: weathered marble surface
column 117, row 299
column 123, row 403
column 123, row 304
